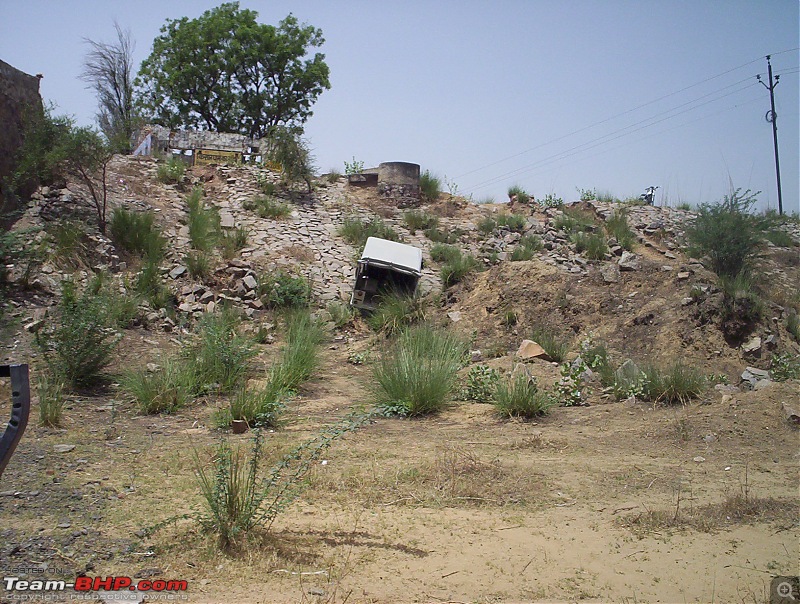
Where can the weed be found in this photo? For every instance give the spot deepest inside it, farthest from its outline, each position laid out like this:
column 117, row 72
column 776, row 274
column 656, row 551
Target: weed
column 513, row 222
column 395, row 311
column 742, row 307
column 429, row 186
column 51, row 400
column 486, row 225
column 438, row 236
column 445, row 253
column 284, row 290
column 587, row 194
column 259, row 407
column 779, row 238
column 518, row 194
column 219, row 355
column 121, row 307
column 617, row 227
column 551, row 201
column 521, row 253
column 198, row 264
column 785, row 367
column 418, row 220
column 554, row 347
column 416, row 376
column 793, row 325
column 727, row 233
column 685, row 206
column 204, row 223
column 353, row 167
column 333, row 175
column 594, row 244
column 526, row 248
column 356, row 232
column 268, row 207
column 519, row 396
column 456, row 269
column 510, row 318
column 150, row 285
column 358, row 358
column 300, row 357
column 265, row 185
column 231, row 241
column 171, row 171
column 481, row 383
column 574, row 220
column 165, row 390
column 81, row 342
column 485, row 200
column 605, row 197
column 70, row 244
column 136, row 233
column 293, row 154
column 341, row 314
column 678, row 383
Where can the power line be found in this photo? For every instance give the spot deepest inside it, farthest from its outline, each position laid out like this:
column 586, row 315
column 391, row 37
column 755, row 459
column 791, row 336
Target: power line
column 602, row 139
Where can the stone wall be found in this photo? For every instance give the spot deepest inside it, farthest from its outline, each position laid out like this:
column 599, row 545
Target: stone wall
column 19, row 94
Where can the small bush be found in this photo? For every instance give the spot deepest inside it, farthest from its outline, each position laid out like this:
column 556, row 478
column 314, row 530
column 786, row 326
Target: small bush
column 341, row 313
column 162, row 391
column 121, row 307
column 171, row 172
column 679, row 383
column 617, row 227
column 727, row 233
column 259, row 407
column 513, row 222
column 268, row 207
column 456, row 269
column 51, row 400
column 587, row 194
column 555, row 349
column 204, row 222
column 574, row 220
column 526, row 248
column 356, row 232
column 438, row 236
column 416, row 376
column 481, row 383
column 521, row 253
column 520, row 397
column 293, row 154
column 151, row 286
column 219, row 356
column 284, row 290
column 445, row 253
column 486, row 225
column 593, row 244
column 429, row 186
column 785, row 367
column 81, row 342
column 198, row 264
column 417, row 220
column 551, row 201
column 395, row 311
column 70, row 244
column 136, row 233
column 232, row 241
column 519, row 193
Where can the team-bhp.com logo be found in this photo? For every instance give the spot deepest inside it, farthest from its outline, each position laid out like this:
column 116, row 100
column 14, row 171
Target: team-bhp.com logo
column 89, row 584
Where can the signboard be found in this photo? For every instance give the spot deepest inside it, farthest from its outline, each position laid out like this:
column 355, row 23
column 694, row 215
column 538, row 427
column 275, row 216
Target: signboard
column 204, row 157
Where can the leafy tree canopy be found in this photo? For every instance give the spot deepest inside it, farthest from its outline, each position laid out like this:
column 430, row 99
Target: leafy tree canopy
column 227, row 73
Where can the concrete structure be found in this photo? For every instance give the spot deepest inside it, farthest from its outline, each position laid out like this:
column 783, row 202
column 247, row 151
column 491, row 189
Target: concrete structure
column 19, row 95
column 198, row 146
column 399, row 181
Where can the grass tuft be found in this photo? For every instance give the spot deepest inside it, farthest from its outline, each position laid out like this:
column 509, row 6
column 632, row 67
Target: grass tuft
column 519, row 396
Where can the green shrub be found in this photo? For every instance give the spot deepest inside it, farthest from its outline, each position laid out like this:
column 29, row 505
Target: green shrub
column 171, row 171
column 456, row 269
column 593, row 244
column 587, row 194
column 779, row 238
column 259, row 407
column 136, row 233
column 341, row 313
column 268, row 207
column 51, row 400
column 418, row 220
column 293, row 154
column 686, row 207
column 551, row 201
column 793, row 325
column 742, row 306
column 280, row 289
column 333, row 175
column 526, row 248
column 445, row 253
column 574, row 220
column 617, row 227
column 727, row 233
column 165, row 390
column 300, row 357
column 416, row 376
column 265, row 185
column 204, row 223
column 520, row 397
column 513, row 222
column 151, row 286
column 555, row 348
column 481, row 383
column 198, row 264
column 429, row 186
column 353, row 167
column 606, row 197
column 486, row 225
column 519, row 193
column 679, row 383
column 395, row 311
column 219, row 356
column 121, row 307
column 80, row 342
column 356, row 232
column 232, row 241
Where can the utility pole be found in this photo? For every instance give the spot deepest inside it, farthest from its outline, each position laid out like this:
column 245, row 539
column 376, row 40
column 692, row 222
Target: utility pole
column 773, row 117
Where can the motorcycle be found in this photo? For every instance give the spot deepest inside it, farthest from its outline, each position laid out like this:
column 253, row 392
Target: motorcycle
column 649, row 195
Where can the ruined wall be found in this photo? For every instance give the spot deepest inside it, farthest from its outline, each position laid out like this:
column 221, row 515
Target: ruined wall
column 19, row 93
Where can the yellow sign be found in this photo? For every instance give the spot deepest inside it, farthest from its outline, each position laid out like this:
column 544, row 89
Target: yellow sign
column 204, row 157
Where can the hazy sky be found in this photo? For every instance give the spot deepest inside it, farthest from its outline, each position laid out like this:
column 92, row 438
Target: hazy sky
column 551, row 95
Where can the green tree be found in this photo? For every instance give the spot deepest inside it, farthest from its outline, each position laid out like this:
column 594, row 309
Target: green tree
column 227, row 73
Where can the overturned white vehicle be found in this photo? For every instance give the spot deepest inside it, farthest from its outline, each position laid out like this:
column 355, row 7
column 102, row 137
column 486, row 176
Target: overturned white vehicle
column 385, row 266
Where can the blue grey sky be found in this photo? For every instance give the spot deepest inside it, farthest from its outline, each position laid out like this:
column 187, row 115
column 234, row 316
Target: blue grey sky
column 613, row 95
